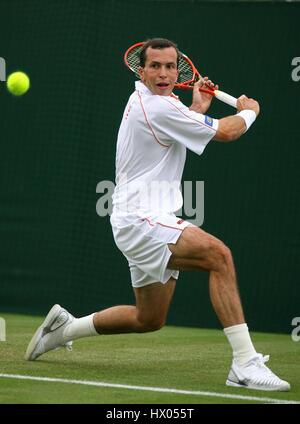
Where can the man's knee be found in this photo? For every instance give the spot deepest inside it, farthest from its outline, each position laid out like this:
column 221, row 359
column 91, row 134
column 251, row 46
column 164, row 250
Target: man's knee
column 148, row 324
column 213, row 255
column 220, row 254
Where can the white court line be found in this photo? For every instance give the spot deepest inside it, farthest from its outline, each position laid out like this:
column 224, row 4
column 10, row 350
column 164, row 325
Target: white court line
column 148, row 389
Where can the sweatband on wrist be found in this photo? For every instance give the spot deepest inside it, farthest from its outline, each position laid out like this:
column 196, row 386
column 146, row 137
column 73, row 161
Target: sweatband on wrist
column 249, row 117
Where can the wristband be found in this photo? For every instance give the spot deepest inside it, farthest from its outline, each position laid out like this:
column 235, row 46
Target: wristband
column 248, row 116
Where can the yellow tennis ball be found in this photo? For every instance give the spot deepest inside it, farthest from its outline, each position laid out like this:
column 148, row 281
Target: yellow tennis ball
column 18, row 83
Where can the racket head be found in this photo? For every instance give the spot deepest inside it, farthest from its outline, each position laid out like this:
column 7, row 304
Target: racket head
column 187, row 72
column 188, row 75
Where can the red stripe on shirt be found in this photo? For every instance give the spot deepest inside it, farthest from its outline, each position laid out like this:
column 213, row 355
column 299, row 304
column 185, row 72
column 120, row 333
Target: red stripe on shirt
column 163, row 225
column 192, row 119
column 151, row 129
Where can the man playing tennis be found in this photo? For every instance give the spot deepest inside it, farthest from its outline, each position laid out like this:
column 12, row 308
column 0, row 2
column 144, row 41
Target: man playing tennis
column 154, row 134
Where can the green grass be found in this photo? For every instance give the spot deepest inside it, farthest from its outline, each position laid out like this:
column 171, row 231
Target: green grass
column 174, row 357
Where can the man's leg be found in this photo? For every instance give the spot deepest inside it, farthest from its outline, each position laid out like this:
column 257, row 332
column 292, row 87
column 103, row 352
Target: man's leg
column 60, row 327
column 149, row 314
column 198, row 250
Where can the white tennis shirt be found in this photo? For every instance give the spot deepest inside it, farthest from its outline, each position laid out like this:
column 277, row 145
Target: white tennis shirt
column 151, row 150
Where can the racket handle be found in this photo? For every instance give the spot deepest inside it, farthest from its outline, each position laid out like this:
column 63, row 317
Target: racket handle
column 226, row 98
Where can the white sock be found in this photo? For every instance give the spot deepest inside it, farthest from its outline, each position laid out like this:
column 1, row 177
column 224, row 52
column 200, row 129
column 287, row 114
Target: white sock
column 80, row 327
column 240, row 341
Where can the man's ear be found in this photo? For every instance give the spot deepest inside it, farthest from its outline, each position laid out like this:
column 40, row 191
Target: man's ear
column 141, row 73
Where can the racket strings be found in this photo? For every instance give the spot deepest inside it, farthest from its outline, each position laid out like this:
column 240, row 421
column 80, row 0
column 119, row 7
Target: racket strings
column 133, row 59
column 186, row 72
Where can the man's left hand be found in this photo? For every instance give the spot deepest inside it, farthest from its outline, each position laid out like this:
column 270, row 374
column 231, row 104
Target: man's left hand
column 202, row 100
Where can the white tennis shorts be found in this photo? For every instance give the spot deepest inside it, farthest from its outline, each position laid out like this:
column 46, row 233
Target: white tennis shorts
column 144, row 242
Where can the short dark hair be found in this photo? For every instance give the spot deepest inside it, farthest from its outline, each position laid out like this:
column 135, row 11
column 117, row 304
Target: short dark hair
column 156, row 43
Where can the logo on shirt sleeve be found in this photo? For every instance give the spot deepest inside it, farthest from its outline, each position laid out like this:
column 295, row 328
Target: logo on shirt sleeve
column 209, row 121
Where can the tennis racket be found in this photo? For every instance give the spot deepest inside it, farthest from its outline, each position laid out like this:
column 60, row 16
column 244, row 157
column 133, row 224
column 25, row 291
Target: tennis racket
column 187, row 77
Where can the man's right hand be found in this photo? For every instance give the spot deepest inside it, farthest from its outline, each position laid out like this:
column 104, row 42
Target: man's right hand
column 244, row 102
column 232, row 127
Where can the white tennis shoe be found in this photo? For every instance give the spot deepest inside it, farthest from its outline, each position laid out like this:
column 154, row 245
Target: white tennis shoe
column 50, row 335
column 256, row 375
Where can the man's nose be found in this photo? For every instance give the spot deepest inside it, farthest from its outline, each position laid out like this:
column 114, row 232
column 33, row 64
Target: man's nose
column 163, row 72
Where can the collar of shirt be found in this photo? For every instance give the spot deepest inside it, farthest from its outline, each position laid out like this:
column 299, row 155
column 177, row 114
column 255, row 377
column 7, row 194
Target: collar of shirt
column 142, row 88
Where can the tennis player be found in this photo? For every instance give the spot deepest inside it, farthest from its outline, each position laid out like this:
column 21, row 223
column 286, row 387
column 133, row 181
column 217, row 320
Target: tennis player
column 155, row 132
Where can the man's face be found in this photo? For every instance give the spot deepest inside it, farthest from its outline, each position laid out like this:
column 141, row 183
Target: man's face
column 160, row 72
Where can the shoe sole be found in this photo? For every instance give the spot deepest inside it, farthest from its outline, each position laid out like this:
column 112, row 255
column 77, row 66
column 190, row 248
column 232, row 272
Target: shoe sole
column 52, row 314
column 277, row 389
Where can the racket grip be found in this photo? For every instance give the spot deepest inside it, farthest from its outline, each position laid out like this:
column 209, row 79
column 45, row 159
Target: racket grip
column 226, row 98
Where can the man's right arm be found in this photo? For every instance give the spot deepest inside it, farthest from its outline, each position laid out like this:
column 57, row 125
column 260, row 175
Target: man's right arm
column 232, row 127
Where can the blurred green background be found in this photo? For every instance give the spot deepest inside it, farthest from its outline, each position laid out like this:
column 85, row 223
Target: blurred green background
column 58, row 143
